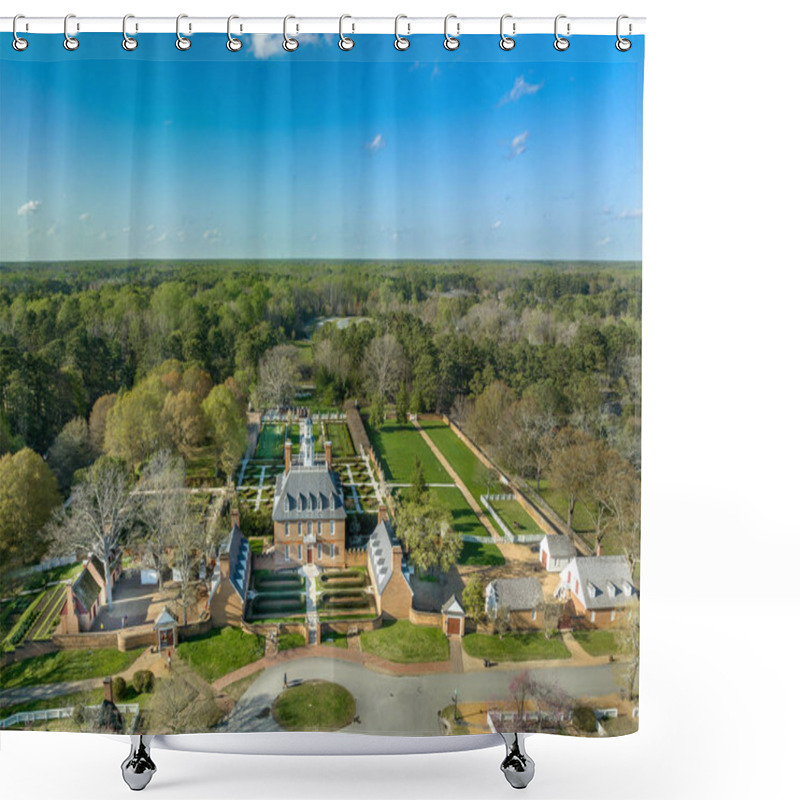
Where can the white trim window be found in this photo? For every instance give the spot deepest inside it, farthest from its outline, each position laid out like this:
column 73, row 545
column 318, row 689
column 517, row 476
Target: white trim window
column 300, row 552
column 333, row 550
column 333, row 528
column 593, row 617
column 286, row 529
column 286, row 555
column 319, row 551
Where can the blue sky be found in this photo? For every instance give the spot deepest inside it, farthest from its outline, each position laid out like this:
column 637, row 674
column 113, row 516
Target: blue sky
column 480, row 153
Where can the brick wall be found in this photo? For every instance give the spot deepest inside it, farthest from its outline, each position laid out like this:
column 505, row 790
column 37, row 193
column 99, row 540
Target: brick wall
column 425, row 618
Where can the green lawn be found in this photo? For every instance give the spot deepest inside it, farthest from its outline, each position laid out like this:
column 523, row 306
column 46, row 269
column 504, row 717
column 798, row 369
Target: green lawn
column 288, row 641
column 519, row 521
column 597, row 643
column 270, row 442
column 221, row 651
column 460, row 457
column 67, row 665
column 339, row 435
column 335, row 640
column 405, row 643
column 514, row 646
column 465, row 520
column 314, row 706
column 397, row 445
column 480, row 553
column 581, row 521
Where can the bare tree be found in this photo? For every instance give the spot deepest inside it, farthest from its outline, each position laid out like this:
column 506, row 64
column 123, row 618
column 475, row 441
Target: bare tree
column 568, row 470
column 627, row 667
column 549, row 616
column 180, row 706
column 99, row 516
column 383, row 364
column 161, row 506
column 278, row 376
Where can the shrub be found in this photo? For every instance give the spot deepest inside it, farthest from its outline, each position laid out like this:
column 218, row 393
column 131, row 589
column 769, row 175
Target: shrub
column 584, row 719
column 79, row 714
column 143, row 681
column 119, row 687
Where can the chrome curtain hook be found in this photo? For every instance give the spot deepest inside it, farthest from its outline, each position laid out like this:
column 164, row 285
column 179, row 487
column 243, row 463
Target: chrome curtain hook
column 233, row 44
column 623, row 45
column 561, row 43
column 19, row 44
column 506, row 42
column 289, row 44
column 181, row 42
column 345, row 42
column 400, row 42
column 451, row 42
column 70, row 42
column 128, row 42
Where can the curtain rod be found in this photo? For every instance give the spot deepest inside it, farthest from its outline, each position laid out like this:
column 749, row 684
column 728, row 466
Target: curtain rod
column 407, row 26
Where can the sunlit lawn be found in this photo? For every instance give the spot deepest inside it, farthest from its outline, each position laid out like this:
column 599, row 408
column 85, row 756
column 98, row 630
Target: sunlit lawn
column 221, row 651
column 397, row 446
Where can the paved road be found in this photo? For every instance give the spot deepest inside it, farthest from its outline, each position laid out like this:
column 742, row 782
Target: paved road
column 408, row 705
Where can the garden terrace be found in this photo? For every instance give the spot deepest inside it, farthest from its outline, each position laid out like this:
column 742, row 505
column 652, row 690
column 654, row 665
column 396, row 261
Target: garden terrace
column 270, row 441
column 346, row 579
column 339, row 436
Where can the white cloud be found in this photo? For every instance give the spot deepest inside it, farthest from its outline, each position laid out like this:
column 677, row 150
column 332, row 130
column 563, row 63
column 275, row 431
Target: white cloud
column 180, row 235
column 52, row 230
column 149, row 228
column 126, row 229
column 265, row 45
column 630, row 213
column 378, row 143
column 518, row 144
column 520, row 89
column 496, row 224
column 161, row 238
column 604, row 241
column 85, row 217
column 212, row 235
column 31, row 207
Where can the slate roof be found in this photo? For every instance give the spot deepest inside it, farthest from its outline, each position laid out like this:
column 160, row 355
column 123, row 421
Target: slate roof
column 86, row 590
column 165, row 618
column 452, row 607
column 238, row 549
column 309, row 491
column 559, row 546
column 603, row 581
column 518, row 594
column 379, row 548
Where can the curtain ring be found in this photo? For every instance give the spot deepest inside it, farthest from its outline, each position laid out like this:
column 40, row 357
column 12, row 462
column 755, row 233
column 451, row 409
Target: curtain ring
column 623, row 45
column 289, row 44
column 70, row 42
column 345, row 42
column 128, row 42
column 181, row 42
column 450, row 42
column 233, row 44
column 400, row 42
column 561, row 43
column 506, row 42
column 19, row 44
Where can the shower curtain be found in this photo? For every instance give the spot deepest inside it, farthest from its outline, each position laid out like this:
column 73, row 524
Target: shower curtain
column 320, row 384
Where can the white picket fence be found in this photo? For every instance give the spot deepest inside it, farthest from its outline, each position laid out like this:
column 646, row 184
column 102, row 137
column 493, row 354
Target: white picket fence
column 45, row 565
column 24, row 717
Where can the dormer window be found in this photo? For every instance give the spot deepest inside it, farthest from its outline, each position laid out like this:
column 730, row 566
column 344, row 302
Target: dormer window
column 333, row 500
column 593, row 590
column 611, row 588
column 627, row 588
column 286, row 503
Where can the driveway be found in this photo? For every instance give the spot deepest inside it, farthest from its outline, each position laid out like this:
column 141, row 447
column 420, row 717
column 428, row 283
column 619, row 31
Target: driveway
column 387, row 704
column 128, row 597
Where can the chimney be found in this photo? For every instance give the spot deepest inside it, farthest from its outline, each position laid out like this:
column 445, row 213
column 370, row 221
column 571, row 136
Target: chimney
column 108, row 690
column 383, row 516
column 287, row 455
column 328, row 455
column 234, row 517
column 598, row 551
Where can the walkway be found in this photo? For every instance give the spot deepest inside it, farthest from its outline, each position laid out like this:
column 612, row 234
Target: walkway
column 473, row 503
column 312, row 620
column 388, row 704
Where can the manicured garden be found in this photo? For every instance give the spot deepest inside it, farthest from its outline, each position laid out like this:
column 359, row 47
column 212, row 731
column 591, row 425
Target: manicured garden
column 270, row 442
column 339, row 436
column 220, row 651
column 67, row 665
column 288, row 641
column 597, row 643
column 397, row 446
column 402, row 642
column 460, row 457
column 314, row 705
column 514, row 647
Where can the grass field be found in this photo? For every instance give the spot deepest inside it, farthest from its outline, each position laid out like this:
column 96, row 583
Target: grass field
column 461, row 458
column 397, row 445
column 581, row 522
column 221, row 651
column 339, row 435
column 314, row 706
column 465, row 521
column 515, row 647
column 481, row 553
column 597, row 643
column 516, row 517
column 270, row 442
column 67, row 665
column 405, row 643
